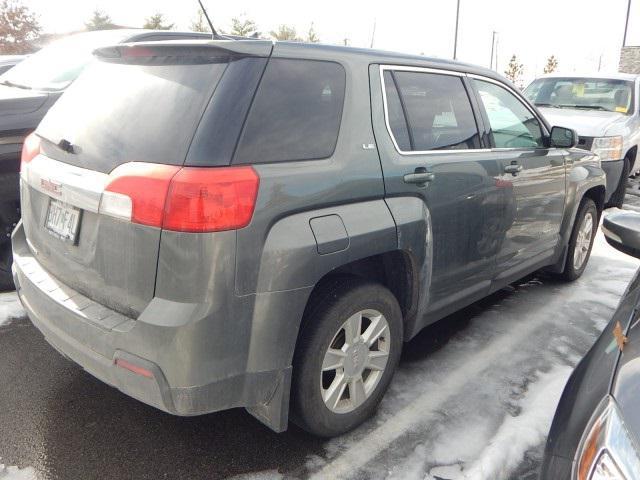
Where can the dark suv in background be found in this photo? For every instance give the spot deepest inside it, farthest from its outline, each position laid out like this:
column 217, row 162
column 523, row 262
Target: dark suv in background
column 27, row 91
column 220, row 224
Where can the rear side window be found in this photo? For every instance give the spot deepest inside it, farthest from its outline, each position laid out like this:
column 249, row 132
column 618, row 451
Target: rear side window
column 395, row 113
column 437, row 110
column 296, row 113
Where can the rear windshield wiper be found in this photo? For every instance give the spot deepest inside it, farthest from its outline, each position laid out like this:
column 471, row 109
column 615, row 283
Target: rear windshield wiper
column 551, row 105
column 64, row 144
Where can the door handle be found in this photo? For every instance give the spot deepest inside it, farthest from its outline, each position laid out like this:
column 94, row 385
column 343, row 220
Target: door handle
column 513, row 169
column 419, row 177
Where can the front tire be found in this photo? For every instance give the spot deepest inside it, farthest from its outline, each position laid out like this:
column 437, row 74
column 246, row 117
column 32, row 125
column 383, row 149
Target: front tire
column 581, row 240
column 346, row 356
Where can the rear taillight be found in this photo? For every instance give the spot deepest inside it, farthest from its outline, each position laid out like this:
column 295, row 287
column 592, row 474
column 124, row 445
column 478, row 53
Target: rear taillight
column 138, row 192
column 211, row 199
column 182, row 199
column 30, row 148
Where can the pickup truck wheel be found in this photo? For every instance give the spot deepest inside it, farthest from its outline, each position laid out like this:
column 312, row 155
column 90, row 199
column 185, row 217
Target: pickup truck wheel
column 617, row 199
column 581, row 241
column 346, row 356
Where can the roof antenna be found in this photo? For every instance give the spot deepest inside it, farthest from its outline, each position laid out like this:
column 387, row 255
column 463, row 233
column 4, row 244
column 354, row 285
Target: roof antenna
column 214, row 34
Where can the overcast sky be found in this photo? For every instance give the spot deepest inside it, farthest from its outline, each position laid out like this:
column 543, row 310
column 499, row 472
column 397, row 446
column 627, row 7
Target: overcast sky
column 578, row 32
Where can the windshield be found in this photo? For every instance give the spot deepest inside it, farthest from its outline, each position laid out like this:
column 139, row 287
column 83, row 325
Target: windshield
column 582, row 93
column 57, row 65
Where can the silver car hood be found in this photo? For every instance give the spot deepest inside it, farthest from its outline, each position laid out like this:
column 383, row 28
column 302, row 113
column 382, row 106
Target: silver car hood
column 588, row 123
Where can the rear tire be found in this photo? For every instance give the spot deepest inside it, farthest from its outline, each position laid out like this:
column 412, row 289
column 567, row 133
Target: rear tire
column 617, row 199
column 346, row 356
column 581, row 241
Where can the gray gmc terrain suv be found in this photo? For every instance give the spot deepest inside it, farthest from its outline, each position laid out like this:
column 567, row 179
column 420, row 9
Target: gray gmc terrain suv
column 216, row 224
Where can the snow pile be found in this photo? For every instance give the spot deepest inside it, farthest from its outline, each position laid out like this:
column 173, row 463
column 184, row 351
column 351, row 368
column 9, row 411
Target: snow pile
column 10, row 308
column 266, row 475
column 15, row 473
column 519, row 433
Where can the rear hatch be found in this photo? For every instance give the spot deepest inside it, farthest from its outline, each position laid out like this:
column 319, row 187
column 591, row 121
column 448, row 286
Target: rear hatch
column 94, row 174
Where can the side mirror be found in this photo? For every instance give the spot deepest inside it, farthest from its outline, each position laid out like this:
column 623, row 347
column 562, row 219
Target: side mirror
column 622, row 231
column 563, row 137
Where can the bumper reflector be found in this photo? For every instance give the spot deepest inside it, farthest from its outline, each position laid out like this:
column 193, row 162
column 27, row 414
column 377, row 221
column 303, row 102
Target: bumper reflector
column 133, row 368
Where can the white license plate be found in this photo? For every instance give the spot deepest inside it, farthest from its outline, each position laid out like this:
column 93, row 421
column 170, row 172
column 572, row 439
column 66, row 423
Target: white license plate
column 63, row 220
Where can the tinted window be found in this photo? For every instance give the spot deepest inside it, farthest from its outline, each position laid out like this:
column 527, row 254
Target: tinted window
column 395, row 114
column 296, row 113
column 512, row 124
column 438, row 111
column 116, row 113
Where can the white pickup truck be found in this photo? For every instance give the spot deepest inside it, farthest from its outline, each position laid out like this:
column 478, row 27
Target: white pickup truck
column 605, row 111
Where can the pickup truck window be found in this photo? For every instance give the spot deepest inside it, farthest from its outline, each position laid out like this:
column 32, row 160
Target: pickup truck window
column 512, row 124
column 583, row 93
column 436, row 108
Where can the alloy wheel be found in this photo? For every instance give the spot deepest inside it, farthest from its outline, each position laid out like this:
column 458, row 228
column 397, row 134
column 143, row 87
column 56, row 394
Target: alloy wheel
column 583, row 241
column 355, row 361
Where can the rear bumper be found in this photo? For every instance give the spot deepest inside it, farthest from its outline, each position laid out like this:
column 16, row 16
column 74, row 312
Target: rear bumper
column 613, row 169
column 95, row 337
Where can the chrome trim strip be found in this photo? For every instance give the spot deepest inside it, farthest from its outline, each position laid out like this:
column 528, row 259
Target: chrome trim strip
column 386, row 113
column 77, row 186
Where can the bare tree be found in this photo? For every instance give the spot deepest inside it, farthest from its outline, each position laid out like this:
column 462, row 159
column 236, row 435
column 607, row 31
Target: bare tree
column 552, row 64
column 200, row 23
column 156, row 22
column 286, row 32
column 514, row 69
column 18, row 28
column 99, row 21
column 312, row 36
column 243, row 27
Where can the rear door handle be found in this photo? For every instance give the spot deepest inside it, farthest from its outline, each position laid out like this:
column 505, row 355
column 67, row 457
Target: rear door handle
column 513, row 169
column 419, row 177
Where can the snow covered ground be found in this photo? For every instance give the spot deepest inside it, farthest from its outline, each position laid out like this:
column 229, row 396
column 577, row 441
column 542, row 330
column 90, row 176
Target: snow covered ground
column 474, row 395
column 481, row 405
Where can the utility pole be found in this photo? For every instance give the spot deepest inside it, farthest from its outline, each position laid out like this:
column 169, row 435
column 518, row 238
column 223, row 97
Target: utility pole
column 373, row 33
column 626, row 24
column 493, row 44
column 455, row 39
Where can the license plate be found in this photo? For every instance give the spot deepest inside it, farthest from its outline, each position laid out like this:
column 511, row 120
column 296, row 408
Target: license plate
column 63, row 220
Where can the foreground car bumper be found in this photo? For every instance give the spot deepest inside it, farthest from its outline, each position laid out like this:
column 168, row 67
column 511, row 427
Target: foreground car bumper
column 613, row 169
column 99, row 340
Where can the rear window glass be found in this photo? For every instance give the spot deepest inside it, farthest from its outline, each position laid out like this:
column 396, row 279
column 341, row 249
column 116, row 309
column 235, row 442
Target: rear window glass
column 118, row 112
column 437, row 110
column 296, row 113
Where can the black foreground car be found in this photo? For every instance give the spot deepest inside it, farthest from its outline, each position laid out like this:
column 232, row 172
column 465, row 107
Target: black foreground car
column 595, row 433
column 28, row 91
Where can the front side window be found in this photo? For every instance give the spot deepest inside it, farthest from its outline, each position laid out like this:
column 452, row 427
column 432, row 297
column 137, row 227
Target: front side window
column 437, row 110
column 512, row 124
column 296, row 113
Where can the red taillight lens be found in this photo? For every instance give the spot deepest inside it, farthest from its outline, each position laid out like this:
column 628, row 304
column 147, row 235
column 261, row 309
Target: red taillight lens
column 30, row 148
column 182, row 199
column 140, row 192
column 211, row 199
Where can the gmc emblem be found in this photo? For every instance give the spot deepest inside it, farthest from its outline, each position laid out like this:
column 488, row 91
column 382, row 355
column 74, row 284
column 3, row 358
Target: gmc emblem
column 51, row 187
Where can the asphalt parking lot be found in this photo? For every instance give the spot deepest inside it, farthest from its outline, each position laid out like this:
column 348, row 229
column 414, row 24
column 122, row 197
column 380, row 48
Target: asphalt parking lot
column 473, row 398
